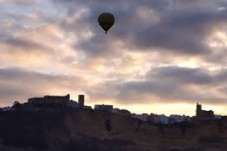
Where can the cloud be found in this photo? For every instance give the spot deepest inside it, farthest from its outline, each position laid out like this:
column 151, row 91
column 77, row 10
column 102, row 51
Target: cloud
column 19, row 2
column 167, row 84
column 20, row 84
column 166, row 51
column 189, row 28
column 26, row 44
column 183, row 75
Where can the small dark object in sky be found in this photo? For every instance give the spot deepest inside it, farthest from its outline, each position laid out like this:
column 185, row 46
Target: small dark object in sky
column 106, row 21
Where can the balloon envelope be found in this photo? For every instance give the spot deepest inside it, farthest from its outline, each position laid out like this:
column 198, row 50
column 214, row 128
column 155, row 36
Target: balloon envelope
column 106, row 21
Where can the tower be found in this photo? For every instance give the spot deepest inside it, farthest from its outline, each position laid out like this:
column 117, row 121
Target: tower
column 81, row 101
column 198, row 109
column 67, row 97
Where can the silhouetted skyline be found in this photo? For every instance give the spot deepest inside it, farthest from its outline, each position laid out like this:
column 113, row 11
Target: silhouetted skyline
column 65, row 102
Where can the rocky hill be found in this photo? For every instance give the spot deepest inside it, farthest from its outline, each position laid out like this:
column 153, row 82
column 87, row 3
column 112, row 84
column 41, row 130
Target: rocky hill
column 88, row 130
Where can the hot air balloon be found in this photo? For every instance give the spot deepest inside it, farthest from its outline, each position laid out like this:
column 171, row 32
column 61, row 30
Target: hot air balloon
column 106, row 21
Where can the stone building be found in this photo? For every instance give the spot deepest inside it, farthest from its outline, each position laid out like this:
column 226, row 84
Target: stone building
column 49, row 100
column 58, row 100
column 103, row 107
column 203, row 114
column 81, row 101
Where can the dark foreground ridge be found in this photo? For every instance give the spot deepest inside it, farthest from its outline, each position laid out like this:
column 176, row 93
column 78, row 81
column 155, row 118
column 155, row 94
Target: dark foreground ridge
column 54, row 123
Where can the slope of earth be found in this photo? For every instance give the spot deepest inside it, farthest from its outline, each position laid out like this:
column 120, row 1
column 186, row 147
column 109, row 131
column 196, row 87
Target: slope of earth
column 68, row 130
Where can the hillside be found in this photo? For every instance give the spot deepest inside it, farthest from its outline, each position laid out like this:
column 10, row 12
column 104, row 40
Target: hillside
column 87, row 130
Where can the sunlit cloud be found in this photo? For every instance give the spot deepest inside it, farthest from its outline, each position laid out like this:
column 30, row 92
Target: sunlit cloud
column 159, row 53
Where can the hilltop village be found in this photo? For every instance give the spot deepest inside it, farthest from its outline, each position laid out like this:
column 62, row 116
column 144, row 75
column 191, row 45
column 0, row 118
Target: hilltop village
column 58, row 123
column 64, row 102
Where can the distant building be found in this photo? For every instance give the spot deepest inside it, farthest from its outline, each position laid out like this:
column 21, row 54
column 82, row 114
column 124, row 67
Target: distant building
column 81, row 100
column 116, row 111
column 121, row 112
column 178, row 119
column 73, row 104
column 103, row 107
column 143, row 117
column 87, row 108
column 202, row 114
column 7, row 109
column 157, row 119
column 57, row 100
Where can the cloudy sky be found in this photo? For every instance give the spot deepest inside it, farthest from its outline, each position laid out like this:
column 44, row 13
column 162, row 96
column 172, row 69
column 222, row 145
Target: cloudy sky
column 161, row 56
